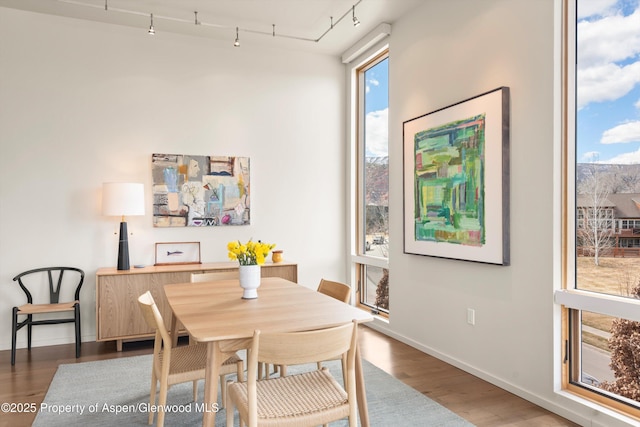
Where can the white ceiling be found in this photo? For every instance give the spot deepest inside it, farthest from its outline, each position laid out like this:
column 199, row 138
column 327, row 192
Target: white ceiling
column 298, row 23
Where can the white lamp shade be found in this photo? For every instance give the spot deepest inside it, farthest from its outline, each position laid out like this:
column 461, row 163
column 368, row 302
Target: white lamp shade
column 122, row 198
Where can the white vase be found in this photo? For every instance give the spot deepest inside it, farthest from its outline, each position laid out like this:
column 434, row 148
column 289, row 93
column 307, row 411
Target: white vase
column 250, row 280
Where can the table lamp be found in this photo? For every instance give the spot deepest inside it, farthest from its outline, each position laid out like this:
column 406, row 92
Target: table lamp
column 121, row 199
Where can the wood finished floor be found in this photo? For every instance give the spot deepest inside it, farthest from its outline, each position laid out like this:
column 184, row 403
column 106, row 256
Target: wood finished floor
column 481, row 403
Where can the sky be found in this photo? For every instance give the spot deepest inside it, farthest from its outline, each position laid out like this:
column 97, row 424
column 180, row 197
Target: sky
column 608, row 86
column 608, row 81
column 376, row 107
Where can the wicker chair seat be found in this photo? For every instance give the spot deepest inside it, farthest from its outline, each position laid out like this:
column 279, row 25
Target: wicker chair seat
column 47, row 308
column 188, row 363
column 311, row 398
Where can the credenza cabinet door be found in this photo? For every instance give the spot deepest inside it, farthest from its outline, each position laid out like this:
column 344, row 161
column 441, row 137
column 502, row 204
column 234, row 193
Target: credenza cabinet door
column 119, row 314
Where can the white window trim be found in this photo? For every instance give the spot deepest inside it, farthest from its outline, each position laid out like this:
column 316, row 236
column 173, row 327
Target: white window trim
column 369, row 260
column 611, row 305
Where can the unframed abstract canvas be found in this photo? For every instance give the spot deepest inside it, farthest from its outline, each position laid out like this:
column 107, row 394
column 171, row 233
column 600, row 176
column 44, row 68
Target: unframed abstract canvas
column 449, row 182
column 200, row 191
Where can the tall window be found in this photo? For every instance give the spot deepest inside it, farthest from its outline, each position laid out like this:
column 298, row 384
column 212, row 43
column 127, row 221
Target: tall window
column 602, row 204
column 373, row 187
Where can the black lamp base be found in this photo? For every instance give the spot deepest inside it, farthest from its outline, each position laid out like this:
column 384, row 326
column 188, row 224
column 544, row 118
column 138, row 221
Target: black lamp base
column 123, row 248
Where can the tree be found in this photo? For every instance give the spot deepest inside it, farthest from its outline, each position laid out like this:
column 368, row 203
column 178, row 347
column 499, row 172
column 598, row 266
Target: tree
column 382, row 290
column 595, row 233
column 625, row 356
column 377, row 195
column 624, row 179
column 377, row 219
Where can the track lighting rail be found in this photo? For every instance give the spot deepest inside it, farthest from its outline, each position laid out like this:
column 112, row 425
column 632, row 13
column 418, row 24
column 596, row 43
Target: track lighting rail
column 271, row 33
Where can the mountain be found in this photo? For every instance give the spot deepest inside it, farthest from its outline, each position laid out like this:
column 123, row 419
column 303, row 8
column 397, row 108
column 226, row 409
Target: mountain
column 622, row 178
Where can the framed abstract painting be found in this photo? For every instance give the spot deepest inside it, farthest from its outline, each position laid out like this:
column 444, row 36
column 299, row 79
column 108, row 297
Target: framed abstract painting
column 456, row 180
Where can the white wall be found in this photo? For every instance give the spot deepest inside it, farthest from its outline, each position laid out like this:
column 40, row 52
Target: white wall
column 82, row 103
column 440, row 54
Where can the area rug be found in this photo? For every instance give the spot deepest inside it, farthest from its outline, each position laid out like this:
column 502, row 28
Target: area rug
column 114, row 393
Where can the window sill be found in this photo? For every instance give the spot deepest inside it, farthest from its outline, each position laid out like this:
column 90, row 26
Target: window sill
column 612, row 305
column 382, row 319
column 376, row 315
column 598, row 409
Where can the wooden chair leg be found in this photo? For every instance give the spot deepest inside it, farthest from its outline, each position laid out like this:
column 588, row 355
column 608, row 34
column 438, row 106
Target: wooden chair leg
column 229, row 406
column 162, row 402
column 223, row 391
column 240, row 371
column 195, row 390
column 344, row 371
column 223, row 382
column 152, row 395
column 261, row 369
column 264, row 370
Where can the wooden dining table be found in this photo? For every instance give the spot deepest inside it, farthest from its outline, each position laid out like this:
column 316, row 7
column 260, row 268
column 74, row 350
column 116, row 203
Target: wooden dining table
column 215, row 313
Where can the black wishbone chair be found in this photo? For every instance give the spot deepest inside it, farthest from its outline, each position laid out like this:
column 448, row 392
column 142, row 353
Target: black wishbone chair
column 32, row 278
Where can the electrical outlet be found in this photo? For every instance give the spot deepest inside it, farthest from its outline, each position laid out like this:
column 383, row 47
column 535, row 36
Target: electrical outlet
column 471, row 316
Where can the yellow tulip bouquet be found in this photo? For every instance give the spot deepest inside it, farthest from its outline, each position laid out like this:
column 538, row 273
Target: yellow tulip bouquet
column 250, row 253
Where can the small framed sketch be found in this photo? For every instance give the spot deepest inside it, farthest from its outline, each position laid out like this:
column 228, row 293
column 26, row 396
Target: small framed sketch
column 169, row 253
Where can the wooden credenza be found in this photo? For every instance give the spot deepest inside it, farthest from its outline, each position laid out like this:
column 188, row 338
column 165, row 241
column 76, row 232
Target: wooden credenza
column 118, row 317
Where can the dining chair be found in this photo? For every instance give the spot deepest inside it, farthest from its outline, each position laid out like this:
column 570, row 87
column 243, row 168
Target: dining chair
column 59, row 301
column 339, row 291
column 336, row 290
column 178, row 364
column 305, row 399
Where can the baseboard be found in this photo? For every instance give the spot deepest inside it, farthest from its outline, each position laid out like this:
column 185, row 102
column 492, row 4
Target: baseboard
column 575, row 417
column 46, row 342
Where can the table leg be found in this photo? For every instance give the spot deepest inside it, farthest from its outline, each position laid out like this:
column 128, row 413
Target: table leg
column 215, row 358
column 363, row 409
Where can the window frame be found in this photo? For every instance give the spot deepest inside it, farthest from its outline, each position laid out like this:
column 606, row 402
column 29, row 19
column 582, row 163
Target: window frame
column 359, row 259
column 574, row 301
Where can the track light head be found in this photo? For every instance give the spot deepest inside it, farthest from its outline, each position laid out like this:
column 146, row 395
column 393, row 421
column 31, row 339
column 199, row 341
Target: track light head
column 236, row 43
column 355, row 20
column 151, row 31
